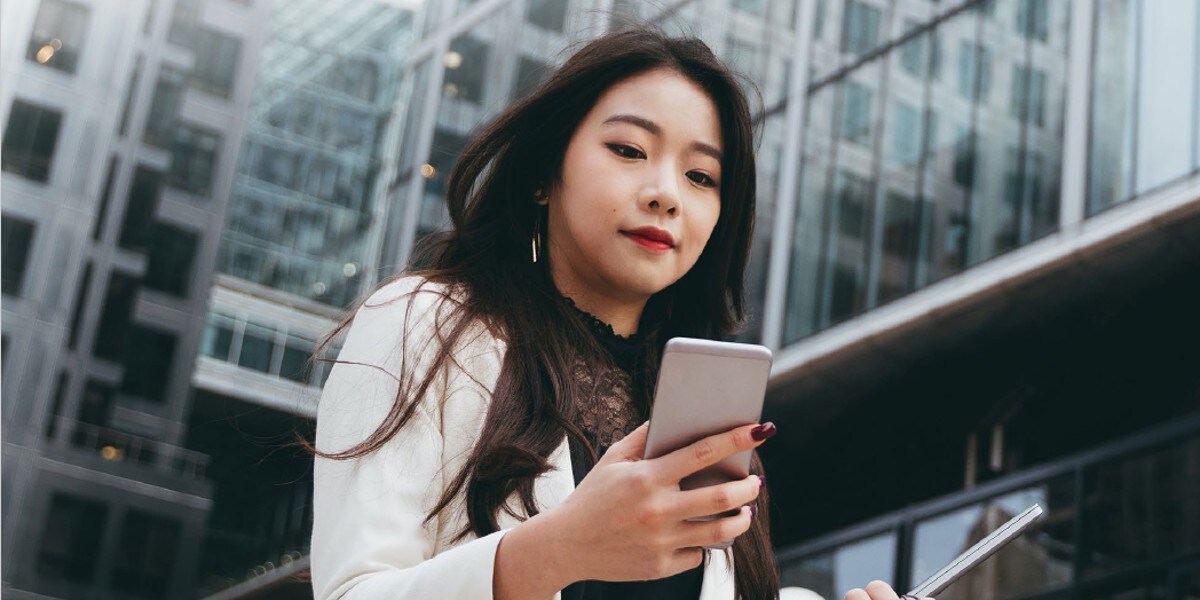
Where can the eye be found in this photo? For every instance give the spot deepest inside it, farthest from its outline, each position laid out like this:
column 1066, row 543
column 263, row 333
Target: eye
column 702, row 179
column 626, row 151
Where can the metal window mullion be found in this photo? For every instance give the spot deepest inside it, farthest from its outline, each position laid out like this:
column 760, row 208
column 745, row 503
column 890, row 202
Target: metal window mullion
column 1195, row 166
column 235, row 342
column 784, row 230
column 970, row 229
column 872, row 246
column 1076, row 129
column 1023, row 220
column 1134, row 104
column 832, row 207
column 925, row 208
column 424, row 140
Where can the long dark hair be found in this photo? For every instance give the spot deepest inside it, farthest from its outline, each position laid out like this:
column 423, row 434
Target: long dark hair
column 485, row 260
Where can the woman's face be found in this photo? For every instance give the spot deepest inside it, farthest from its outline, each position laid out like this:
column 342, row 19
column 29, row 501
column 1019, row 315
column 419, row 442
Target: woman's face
column 639, row 192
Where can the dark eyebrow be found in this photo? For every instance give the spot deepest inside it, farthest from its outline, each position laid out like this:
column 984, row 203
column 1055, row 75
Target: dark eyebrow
column 653, row 128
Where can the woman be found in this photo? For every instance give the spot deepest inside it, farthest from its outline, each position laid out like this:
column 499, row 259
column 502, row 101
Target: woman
column 481, row 433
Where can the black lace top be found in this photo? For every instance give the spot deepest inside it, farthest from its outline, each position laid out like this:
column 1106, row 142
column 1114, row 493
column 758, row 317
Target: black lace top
column 606, row 415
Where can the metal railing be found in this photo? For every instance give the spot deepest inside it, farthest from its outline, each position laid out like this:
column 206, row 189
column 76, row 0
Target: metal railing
column 118, row 446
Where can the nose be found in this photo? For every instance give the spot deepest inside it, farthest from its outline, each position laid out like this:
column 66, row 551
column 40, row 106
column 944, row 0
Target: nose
column 662, row 196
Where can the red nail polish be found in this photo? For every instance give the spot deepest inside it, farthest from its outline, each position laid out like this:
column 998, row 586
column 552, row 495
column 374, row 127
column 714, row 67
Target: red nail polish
column 753, row 511
column 763, row 432
column 762, row 480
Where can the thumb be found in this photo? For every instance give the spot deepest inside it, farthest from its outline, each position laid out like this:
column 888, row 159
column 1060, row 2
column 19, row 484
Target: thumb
column 630, row 447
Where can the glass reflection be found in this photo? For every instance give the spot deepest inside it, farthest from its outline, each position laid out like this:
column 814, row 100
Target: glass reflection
column 1166, row 87
column 1135, row 511
column 1145, row 113
column 833, row 574
column 1041, row 559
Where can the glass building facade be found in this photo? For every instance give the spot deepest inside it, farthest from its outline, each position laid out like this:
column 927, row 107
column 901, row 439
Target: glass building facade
column 121, row 122
column 933, row 141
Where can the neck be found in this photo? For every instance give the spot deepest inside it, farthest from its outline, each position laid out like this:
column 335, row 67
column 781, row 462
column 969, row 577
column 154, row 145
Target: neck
column 623, row 318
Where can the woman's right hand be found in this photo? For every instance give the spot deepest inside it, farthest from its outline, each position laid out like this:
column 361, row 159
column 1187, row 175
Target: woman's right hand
column 628, row 520
column 878, row 590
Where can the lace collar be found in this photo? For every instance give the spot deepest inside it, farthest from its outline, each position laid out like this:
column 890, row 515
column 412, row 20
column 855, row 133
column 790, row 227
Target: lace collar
column 602, row 330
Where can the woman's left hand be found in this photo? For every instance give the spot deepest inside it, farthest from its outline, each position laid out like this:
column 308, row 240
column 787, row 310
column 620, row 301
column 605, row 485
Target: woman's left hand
column 877, row 590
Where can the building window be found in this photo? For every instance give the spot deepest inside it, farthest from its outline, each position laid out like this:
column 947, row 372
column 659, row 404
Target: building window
column 1028, row 95
column 964, row 157
column 357, row 77
column 147, row 360
column 446, row 148
column 844, row 568
column 1033, row 19
column 148, row 547
column 856, row 115
column 915, row 56
column 547, row 14
column 466, row 69
column 58, row 33
column 29, row 140
column 139, row 210
column 171, row 254
column 105, row 198
column 860, row 27
column 77, row 313
column 134, row 77
column 193, row 159
column 95, row 406
column 60, row 390
column 71, row 539
column 906, row 133
column 164, row 109
column 295, row 359
column 216, row 63
column 974, row 70
column 530, row 74
column 218, row 336
column 17, row 237
column 114, row 317
column 258, row 348
column 216, row 54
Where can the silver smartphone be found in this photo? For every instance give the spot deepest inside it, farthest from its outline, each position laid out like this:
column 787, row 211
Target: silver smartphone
column 707, row 387
column 978, row 553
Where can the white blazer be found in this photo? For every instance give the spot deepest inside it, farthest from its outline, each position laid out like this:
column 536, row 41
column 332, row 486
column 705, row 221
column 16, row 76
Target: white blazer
column 370, row 539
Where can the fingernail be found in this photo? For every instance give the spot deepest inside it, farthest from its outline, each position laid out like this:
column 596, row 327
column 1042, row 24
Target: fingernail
column 753, row 511
column 761, row 481
column 763, row 432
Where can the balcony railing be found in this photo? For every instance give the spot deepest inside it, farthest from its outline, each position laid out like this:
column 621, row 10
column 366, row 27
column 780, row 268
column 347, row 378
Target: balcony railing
column 118, row 446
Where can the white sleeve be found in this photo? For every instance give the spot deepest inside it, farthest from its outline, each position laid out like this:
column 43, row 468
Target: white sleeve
column 370, row 539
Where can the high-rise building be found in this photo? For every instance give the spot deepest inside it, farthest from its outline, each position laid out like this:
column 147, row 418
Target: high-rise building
column 301, row 242
column 121, row 121
column 990, row 299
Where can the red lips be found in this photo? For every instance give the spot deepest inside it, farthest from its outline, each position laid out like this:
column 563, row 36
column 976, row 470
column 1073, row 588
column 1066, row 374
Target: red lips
column 653, row 234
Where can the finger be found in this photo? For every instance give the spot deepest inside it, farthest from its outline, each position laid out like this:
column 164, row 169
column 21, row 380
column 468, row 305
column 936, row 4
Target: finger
column 716, row 499
column 708, row 533
column 710, row 450
column 879, row 590
column 857, row 594
column 630, row 447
